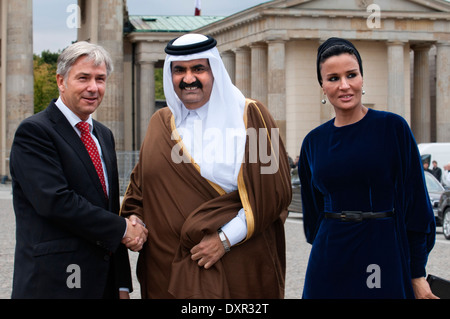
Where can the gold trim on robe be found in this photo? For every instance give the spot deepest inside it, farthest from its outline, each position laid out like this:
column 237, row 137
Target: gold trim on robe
column 180, row 207
column 179, row 141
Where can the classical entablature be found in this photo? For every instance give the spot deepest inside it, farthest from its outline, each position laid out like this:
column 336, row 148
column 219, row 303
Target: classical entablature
column 270, row 51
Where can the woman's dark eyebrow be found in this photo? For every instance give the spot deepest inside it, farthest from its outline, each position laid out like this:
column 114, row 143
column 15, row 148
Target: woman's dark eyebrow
column 349, row 71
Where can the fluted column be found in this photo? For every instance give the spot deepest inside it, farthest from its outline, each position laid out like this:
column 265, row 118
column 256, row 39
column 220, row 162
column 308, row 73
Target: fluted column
column 3, row 35
column 19, row 95
column 396, row 79
column 146, row 103
column 19, row 66
column 420, row 112
column 230, row 64
column 259, row 72
column 110, row 36
column 443, row 92
column 277, row 84
column 242, row 76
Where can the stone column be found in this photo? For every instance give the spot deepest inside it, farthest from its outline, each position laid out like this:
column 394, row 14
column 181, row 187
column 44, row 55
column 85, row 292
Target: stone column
column 420, row 112
column 276, row 88
column 396, row 80
column 259, row 72
column 443, row 92
column 110, row 36
column 242, row 76
column 146, row 103
column 3, row 36
column 230, row 64
column 19, row 69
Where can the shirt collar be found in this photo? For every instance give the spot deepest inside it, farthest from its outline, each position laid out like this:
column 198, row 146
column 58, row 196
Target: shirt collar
column 70, row 116
column 201, row 112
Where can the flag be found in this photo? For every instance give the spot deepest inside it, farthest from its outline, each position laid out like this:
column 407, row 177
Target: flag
column 198, row 8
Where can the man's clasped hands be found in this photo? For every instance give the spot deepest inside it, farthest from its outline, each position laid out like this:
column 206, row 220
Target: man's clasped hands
column 136, row 234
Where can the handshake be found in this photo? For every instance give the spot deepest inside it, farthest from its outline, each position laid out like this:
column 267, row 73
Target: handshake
column 136, row 234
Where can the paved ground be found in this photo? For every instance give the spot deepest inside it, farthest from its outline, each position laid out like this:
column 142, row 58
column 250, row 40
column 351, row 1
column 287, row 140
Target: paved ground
column 295, row 243
column 297, row 251
column 7, row 241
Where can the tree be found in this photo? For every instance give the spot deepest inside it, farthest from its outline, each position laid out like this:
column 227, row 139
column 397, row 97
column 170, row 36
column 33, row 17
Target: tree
column 159, row 91
column 45, row 87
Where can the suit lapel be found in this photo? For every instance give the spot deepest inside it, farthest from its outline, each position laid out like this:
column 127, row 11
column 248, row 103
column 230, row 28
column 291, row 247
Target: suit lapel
column 63, row 127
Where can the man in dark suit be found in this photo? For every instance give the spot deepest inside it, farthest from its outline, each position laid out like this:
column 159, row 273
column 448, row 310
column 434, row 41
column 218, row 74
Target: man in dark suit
column 70, row 240
column 436, row 171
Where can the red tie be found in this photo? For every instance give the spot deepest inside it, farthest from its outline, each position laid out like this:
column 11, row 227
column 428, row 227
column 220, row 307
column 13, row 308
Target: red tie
column 91, row 147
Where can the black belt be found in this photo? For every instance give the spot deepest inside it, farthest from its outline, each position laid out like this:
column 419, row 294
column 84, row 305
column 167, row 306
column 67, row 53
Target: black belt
column 355, row 216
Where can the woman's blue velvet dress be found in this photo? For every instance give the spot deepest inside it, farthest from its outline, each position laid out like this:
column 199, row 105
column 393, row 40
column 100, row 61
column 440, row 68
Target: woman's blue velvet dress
column 371, row 166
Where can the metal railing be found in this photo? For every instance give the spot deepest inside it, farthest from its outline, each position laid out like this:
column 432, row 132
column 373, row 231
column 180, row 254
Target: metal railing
column 126, row 160
column 4, row 166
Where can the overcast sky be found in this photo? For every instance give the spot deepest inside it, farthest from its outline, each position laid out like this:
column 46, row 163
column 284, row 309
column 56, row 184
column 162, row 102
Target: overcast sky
column 52, row 18
column 53, row 27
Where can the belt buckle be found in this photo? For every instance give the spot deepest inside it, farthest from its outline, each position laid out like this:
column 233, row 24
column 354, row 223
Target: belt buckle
column 351, row 216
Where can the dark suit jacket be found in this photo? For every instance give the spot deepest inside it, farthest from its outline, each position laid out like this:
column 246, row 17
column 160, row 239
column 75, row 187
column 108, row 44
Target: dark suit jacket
column 67, row 233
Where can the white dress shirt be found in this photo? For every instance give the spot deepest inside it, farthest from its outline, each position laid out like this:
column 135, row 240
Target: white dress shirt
column 190, row 130
column 73, row 120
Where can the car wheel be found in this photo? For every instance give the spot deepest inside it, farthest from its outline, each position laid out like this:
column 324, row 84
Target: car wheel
column 446, row 223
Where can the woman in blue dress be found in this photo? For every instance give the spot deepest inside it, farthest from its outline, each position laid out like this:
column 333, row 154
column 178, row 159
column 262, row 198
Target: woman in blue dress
column 366, row 209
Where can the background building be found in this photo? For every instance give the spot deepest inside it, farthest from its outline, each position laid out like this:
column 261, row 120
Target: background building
column 16, row 72
column 269, row 51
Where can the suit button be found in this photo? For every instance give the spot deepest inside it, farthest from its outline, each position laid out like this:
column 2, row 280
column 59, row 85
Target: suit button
column 106, row 257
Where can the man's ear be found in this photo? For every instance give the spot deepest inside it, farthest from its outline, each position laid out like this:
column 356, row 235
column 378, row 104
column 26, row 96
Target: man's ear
column 60, row 82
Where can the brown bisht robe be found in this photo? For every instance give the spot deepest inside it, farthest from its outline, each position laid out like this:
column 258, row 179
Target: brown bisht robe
column 179, row 207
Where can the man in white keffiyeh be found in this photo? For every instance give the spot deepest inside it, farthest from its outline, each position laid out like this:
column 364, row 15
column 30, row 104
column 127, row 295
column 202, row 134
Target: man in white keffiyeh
column 215, row 220
column 209, row 92
column 208, row 111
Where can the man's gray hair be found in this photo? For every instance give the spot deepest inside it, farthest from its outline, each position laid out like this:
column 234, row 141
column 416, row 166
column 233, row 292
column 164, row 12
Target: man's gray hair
column 94, row 52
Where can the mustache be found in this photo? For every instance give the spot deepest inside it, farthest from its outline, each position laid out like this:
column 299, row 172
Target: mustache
column 196, row 83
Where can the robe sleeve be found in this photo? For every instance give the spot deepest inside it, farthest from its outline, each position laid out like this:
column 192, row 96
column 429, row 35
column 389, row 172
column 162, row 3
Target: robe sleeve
column 265, row 183
column 418, row 214
column 312, row 199
column 132, row 201
column 264, row 191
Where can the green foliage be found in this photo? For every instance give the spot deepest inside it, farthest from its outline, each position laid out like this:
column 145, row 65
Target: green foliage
column 159, row 91
column 45, row 87
column 49, row 57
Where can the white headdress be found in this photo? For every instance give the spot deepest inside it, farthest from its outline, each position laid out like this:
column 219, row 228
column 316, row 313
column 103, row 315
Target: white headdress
column 225, row 110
